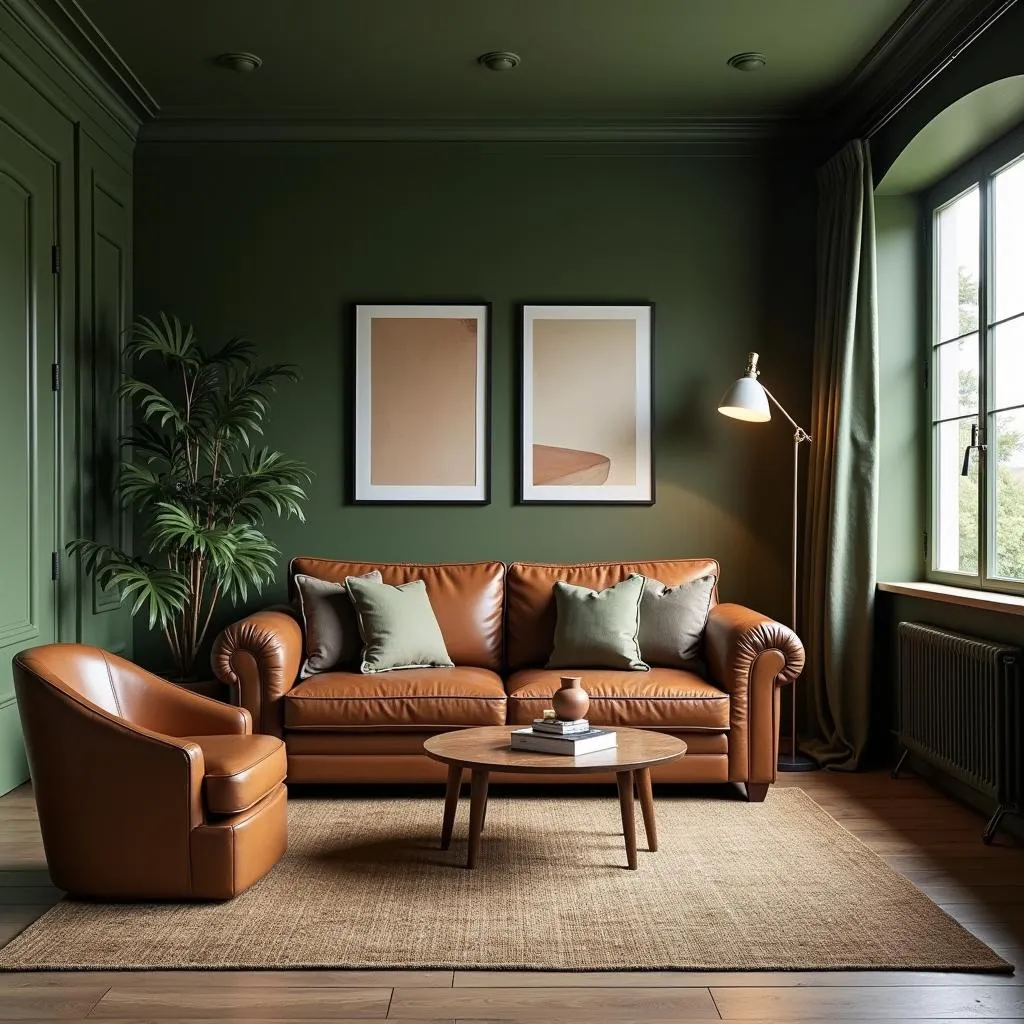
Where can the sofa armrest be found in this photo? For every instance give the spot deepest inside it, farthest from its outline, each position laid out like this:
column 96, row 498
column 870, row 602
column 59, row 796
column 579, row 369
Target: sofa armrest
column 750, row 656
column 260, row 657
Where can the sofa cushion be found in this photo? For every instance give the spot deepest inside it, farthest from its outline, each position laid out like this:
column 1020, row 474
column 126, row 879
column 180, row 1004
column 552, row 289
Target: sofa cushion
column 398, row 625
column 598, row 629
column 240, row 770
column 329, row 624
column 672, row 621
column 413, row 698
column 664, row 698
column 468, row 600
column 530, row 602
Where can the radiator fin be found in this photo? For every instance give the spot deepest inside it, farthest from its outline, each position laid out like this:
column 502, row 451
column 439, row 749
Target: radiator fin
column 957, row 707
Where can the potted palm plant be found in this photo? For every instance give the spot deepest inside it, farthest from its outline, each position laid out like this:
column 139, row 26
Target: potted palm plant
column 200, row 491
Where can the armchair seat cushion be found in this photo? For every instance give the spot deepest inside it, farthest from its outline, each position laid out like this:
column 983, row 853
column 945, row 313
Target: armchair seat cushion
column 240, row 770
column 413, row 698
column 663, row 698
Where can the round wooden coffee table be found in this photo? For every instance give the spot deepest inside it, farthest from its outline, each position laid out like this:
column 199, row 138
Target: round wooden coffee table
column 487, row 750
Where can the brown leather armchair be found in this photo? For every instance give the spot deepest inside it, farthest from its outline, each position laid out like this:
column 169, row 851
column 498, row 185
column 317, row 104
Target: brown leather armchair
column 145, row 790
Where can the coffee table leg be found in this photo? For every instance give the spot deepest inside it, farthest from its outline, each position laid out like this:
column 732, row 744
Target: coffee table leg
column 477, row 806
column 451, row 802
column 625, row 783
column 643, row 784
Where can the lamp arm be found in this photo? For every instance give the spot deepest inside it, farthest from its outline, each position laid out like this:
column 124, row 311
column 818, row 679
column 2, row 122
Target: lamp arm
column 802, row 434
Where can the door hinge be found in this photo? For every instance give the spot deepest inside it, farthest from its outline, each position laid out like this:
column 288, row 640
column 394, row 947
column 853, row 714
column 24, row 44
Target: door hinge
column 55, row 565
column 924, row 376
column 55, row 377
column 55, row 258
column 924, row 544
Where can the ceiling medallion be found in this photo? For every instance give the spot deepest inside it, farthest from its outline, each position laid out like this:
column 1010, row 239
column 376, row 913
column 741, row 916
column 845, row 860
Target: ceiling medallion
column 499, row 60
column 241, row 62
column 747, row 61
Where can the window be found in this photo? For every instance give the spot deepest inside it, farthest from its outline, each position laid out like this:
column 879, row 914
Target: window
column 977, row 375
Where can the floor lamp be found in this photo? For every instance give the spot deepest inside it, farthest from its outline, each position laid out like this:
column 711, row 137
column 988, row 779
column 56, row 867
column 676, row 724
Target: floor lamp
column 747, row 399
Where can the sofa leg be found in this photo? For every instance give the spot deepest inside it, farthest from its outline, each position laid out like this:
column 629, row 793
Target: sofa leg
column 756, row 792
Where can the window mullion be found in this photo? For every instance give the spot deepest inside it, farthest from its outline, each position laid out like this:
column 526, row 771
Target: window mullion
column 986, row 389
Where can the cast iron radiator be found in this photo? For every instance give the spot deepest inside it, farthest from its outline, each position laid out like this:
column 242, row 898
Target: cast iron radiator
column 958, row 710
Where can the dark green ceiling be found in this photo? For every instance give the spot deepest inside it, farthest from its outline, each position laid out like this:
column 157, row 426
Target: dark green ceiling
column 416, row 58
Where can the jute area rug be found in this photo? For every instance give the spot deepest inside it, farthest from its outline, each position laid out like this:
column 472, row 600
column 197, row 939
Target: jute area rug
column 735, row 886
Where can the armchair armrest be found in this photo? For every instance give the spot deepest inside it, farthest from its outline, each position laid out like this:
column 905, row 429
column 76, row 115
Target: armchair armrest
column 260, row 656
column 750, row 656
column 175, row 711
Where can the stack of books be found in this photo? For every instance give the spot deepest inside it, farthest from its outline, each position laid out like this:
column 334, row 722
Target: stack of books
column 556, row 736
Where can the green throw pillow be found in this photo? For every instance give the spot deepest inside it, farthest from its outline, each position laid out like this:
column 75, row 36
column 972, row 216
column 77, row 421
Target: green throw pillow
column 598, row 629
column 672, row 621
column 398, row 625
column 330, row 627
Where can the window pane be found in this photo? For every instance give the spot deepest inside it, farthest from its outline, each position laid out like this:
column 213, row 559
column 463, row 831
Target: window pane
column 956, row 499
column 957, row 252
column 957, row 377
column 1008, row 219
column 1009, row 512
column 1009, row 363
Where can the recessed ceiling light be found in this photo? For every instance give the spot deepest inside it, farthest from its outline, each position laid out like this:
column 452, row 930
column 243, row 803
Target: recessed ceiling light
column 747, row 61
column 241, row 62
column 499, row 60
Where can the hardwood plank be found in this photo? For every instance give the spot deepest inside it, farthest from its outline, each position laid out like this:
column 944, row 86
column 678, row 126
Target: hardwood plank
column 37, row 895
column 911, row 1003
column 183, row 1002
column 519, row 1003
column 41, row 1002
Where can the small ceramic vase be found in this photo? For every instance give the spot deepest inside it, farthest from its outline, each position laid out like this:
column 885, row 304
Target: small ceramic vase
column 571, row 700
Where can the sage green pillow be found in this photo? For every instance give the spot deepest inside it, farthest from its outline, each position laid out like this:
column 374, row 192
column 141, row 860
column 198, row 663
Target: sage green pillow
column 398, row 626
column 672, row 621
column 330, row 627
column 598, row 629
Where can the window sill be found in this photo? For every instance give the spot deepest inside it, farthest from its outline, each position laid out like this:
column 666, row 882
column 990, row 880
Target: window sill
column 1008, row 604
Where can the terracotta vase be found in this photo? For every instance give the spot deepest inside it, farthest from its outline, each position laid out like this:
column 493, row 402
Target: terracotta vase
column 571, row 700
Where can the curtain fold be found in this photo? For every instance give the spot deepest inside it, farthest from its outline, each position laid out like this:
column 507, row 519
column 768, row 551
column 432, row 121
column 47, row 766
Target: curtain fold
column 841, row 520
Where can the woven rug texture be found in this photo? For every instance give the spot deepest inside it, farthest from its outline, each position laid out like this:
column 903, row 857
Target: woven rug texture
column 774, row 886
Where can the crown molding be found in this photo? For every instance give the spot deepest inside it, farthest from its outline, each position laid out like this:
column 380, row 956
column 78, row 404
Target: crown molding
column 72, row 40
column 680, row 130
column 927, row 37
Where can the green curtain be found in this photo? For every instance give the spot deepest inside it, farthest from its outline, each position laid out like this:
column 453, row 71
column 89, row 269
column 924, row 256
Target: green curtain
column 843, row 487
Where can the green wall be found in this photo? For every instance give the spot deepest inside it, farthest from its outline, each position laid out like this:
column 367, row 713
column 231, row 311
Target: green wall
column 274, row 240
column 901, row 480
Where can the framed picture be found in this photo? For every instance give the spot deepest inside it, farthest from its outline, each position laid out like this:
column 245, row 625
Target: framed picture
column 586, row 433
column 421, row 404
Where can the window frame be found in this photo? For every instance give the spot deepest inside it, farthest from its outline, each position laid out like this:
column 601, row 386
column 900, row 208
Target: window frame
column 980, row 171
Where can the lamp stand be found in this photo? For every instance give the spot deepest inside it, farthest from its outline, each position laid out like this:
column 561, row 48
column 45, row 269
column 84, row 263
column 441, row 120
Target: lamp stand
column 794, row 761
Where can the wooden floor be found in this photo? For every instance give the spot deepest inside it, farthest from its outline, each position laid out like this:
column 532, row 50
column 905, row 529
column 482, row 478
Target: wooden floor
column 929, row 838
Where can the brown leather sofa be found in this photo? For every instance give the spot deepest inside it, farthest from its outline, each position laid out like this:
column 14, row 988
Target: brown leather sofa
column 144, row 790
column 498, row 625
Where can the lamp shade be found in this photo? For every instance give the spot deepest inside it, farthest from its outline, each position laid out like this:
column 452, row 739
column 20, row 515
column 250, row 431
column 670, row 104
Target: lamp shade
column 746, row 400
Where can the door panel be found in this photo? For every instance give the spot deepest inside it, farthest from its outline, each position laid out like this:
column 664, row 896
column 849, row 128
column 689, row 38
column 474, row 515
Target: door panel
column 28, row 333
column 104, row 314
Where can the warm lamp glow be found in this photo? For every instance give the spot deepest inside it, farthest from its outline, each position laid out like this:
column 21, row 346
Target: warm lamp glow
column 746, row 400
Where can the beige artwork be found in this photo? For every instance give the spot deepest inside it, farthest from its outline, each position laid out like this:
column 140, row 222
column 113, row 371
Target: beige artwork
column 584, row 402
column 423, row 401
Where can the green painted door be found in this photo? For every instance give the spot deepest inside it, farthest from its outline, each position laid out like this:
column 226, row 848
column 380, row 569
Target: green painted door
column 28, row 343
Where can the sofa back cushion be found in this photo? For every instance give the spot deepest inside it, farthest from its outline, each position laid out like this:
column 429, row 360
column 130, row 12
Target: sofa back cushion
column 530, row 599
column 468, row 600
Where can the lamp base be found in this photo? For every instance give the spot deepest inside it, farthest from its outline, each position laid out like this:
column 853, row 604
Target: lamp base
column 800, row 763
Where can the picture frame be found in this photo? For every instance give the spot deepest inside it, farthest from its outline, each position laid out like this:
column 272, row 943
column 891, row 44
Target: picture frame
column 421, row 407
column 587, row 404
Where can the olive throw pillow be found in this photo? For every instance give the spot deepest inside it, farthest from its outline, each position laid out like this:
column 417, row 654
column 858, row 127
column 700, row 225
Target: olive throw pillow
column 672, row 621
column 330, row 627
column 398, row 625
column 598, row 629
